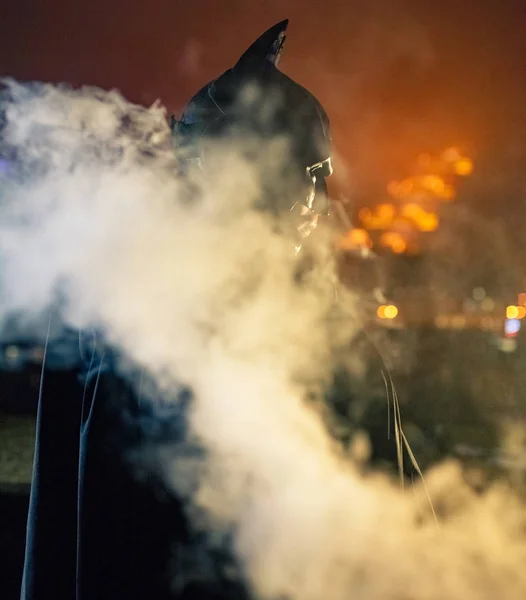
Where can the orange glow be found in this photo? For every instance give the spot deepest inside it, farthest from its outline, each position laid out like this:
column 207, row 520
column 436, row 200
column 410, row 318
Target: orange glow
column 379, row 218
column 451, row 154
column 398, row 246
column 424, row 159
column 393, row 188
column 385, row 211
column 405, row 187
column 448, row 193
column 412, row 211
column 360, row 237
column 433, row 183
column 380, row 313
column 394, row 241
column 428, row 223
column 355, row 238
column 423, row 220
column 463, row 166
column 364, row 215
column 512, row 312
column 521, row 312
column 522, row 299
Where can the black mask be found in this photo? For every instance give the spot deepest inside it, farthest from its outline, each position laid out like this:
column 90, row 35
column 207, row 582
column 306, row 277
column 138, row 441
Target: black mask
column 254, row 100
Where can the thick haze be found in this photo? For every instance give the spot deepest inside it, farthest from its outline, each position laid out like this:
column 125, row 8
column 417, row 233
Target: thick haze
column 204, row 293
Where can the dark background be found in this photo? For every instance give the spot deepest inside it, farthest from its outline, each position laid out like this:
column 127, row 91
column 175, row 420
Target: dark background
column 397, row 77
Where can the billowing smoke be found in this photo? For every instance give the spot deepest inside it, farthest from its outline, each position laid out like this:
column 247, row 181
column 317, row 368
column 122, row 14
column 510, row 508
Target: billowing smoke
column 200, row 288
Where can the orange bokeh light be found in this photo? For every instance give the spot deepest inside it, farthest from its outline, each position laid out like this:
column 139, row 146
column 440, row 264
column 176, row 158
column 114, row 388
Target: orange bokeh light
column 423, row 220
column 463, row 166
column 385, row 211
column 428, row 223
column 433, row 183
column 405, row 187
column 394, row 241
column 355, row 238
column 412, row 211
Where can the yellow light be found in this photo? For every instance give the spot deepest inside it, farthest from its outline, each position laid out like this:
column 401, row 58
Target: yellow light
column 390, row 311
column 428, row 223
column 463, row 166
column 512, row 312
column 381, row 311
column 521, row 312
column 412, row 210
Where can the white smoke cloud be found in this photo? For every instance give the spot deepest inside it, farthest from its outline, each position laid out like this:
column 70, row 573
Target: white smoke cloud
column 202, row 292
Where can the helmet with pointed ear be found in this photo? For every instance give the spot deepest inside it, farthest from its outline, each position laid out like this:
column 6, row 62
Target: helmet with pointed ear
column 268, row 47
column 276, row 106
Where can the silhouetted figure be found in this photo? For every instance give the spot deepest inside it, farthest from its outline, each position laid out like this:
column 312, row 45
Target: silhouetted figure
column 102, row 525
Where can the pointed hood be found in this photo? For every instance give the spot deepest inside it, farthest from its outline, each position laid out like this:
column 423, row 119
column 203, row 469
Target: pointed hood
column 267, row 47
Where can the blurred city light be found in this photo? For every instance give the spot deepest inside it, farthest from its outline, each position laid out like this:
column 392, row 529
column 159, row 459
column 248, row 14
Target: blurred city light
column 512, row 312
column 479, row 293
column 463, row 166
column 394, row 241
column 386, row 211
column 418, row 198
column 458, row 322
column 355, row 238
column 388, row 311
column 433, row 183
column 428, row 223
column 512, row 327
column 488, row 305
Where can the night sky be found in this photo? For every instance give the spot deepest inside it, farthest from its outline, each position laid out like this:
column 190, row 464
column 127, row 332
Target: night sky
column 397, row 77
